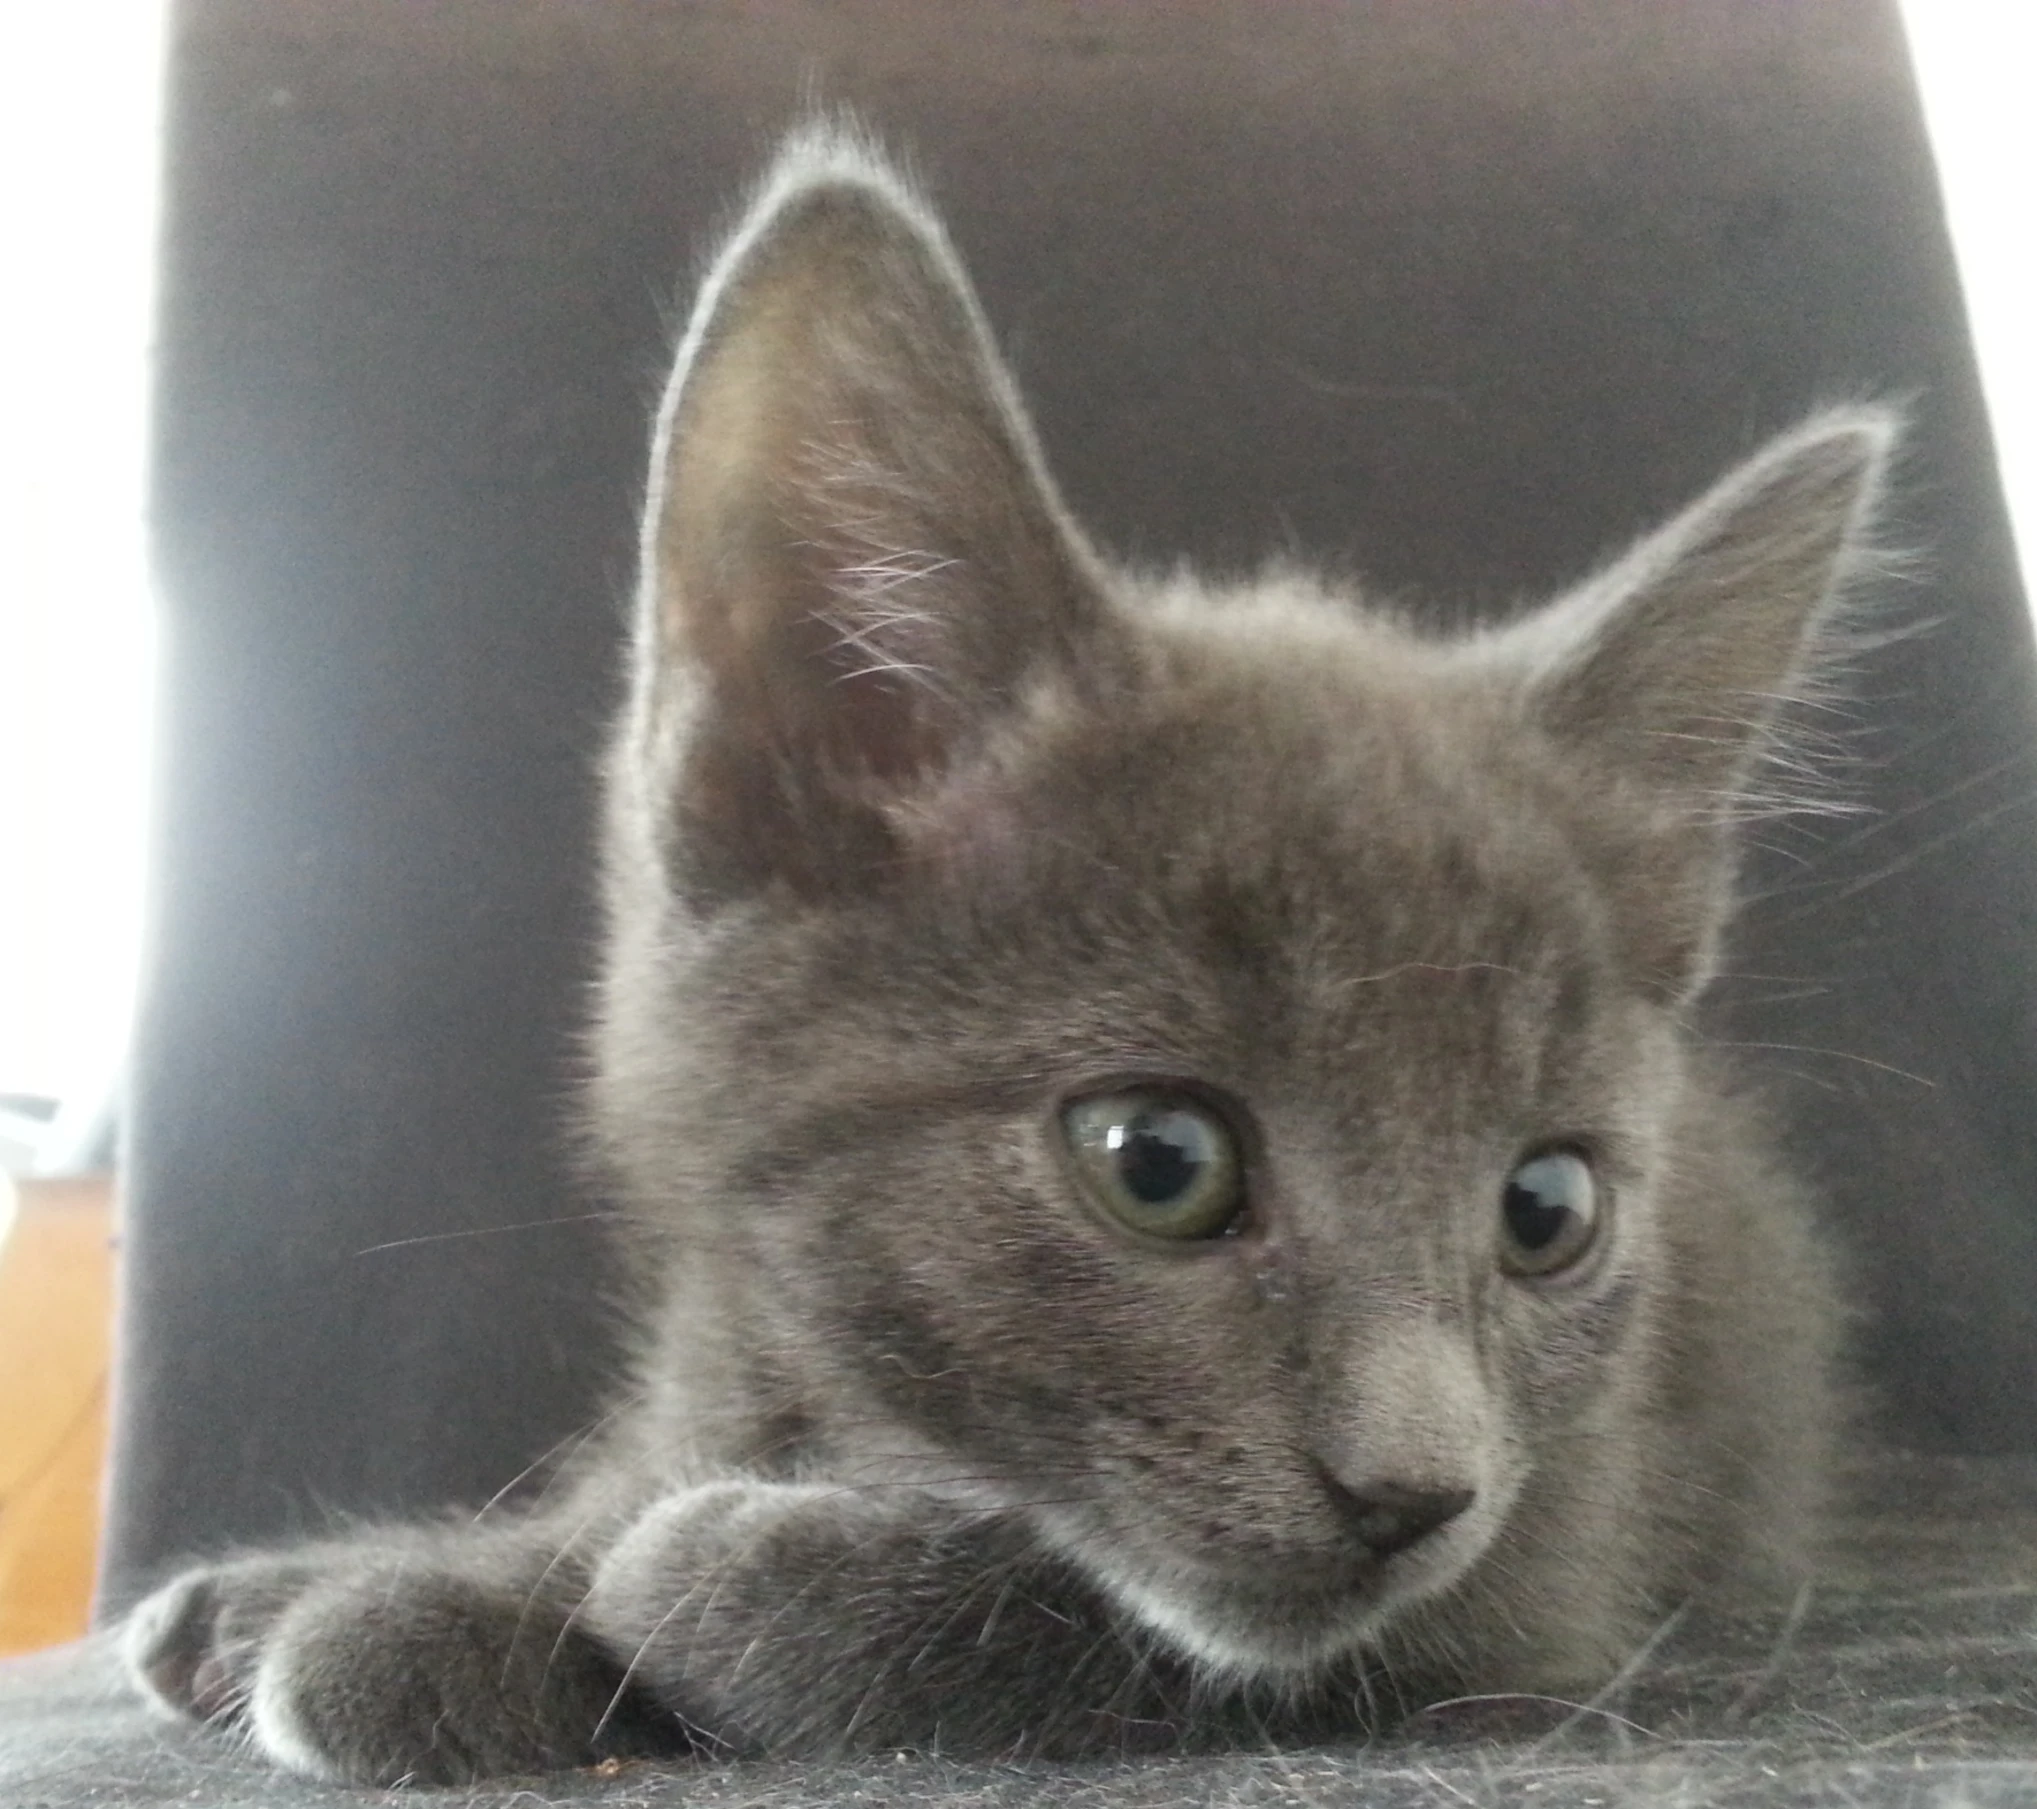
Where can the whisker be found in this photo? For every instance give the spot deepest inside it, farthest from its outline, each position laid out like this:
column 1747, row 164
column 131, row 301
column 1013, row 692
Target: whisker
column 447, row 1237
column 1842, row 1055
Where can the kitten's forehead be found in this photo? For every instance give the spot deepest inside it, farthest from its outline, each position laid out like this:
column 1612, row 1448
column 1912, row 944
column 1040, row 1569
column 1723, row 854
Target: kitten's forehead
column 1291, row 781
column 1287, row 844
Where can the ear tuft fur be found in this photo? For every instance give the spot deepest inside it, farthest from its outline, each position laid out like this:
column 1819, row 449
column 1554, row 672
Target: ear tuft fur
column 1678, row 659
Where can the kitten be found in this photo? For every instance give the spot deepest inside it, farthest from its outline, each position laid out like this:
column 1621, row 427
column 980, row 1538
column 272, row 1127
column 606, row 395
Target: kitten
column 1180, row 1200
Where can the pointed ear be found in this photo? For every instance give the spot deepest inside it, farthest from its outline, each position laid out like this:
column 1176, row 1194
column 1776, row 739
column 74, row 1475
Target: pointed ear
column 1677, row 660
column 1670, row 669
column 853, row 559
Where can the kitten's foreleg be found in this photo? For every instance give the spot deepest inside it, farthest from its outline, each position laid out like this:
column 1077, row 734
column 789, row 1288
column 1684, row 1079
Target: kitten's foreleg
column 810, row 1618
column 739, row 1616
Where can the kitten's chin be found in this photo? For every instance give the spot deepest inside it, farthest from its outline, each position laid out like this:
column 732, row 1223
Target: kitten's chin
column 1279, row 1624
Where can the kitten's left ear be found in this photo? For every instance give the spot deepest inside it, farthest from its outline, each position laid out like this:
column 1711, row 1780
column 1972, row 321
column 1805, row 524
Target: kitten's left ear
column 854, row 561
column 1675, row 662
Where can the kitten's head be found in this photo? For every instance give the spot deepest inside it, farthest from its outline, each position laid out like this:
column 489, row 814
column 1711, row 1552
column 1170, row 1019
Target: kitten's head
column 1195, row 1062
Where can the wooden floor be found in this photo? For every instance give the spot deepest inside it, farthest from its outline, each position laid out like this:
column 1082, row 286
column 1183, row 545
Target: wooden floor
column 56, row 1312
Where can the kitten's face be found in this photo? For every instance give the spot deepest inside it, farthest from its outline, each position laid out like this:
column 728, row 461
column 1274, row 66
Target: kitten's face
column 1328, row 946
column 1193, row 1065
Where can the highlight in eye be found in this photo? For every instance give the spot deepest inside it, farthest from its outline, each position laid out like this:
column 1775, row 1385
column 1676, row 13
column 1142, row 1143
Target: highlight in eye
column 1550, row 1211
column 1158, row 1160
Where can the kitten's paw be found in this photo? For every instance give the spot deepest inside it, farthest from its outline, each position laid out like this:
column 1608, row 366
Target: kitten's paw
column 194, row 1645
column 388, row 1672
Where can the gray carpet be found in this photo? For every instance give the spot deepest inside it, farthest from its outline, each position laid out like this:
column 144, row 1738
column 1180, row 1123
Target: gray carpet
column 1908, row 1676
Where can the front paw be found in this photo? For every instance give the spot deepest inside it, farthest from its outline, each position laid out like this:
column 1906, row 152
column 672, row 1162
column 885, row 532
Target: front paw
column 195, row 1645
column 384, row 1671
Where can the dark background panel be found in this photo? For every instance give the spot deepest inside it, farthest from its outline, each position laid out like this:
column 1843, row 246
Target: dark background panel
column 1455, row 296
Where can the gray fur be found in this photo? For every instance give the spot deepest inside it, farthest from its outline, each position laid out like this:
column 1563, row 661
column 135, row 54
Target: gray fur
column 923, row 820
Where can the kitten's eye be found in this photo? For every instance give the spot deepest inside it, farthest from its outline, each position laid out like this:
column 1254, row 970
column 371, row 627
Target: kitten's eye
column 1549, row 1213
column 1160, row 1163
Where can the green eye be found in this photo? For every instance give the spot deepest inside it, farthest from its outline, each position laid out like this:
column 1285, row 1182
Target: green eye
column 1549, row 1213
column 1159, row 1162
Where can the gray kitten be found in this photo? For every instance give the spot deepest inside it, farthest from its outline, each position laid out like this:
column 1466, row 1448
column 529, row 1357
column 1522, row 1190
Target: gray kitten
column 1180, row 1200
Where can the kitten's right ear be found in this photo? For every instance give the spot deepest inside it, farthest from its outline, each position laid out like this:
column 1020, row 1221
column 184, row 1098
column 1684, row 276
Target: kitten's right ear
column 1671, row 670
column 853, row 560
column 1675, row 663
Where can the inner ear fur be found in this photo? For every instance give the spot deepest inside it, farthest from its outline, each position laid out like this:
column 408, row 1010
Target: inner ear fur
column 853, row 556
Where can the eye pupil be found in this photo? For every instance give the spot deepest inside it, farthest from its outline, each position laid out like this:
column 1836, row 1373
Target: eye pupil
column 1549, row 1212
column 1160, row 1155
column 1535, row 1219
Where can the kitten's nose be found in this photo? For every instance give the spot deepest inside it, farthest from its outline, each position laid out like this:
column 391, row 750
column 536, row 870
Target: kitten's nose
column 1388, row 1517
